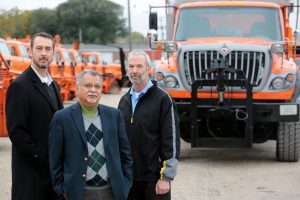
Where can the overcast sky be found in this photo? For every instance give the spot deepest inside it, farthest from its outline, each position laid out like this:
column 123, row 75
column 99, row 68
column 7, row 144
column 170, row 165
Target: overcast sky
column 139, row 10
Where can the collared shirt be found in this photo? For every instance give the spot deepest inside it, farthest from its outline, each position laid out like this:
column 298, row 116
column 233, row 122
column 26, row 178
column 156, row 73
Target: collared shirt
column 47, row 79
column 135, row 97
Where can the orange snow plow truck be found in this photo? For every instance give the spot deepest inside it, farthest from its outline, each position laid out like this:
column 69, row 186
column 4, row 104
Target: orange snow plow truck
column 229, row 67
column 112, row 73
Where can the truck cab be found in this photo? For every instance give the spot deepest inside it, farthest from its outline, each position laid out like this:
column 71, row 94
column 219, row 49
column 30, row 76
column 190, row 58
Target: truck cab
column 111, row 72
column 229, row 67
column 67, row 66
column 4, row 83
column 17, row 48
column 76, row 58
column 17, row 63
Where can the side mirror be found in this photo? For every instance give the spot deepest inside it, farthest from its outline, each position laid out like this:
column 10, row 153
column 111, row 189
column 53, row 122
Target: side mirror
column 296, row 36
column 167, row 46
column 297, row 50
column 73, row 63
column 152, row 38
column 153, row 21
column 291, row 8
column 296, row 32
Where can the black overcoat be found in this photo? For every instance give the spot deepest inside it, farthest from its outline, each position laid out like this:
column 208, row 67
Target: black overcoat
column 29, row 112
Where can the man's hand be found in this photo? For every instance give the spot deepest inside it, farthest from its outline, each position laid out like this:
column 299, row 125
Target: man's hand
column 63, row 196
column 162, row 187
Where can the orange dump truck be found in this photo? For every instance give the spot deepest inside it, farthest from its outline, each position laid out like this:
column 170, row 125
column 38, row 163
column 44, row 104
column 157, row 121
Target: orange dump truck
column 17, row 63
column 4, row 82
column 229, row 67
column 77, row 60
column 18, row 48
column 63, row 60
column 112, row 73
column 13, row 61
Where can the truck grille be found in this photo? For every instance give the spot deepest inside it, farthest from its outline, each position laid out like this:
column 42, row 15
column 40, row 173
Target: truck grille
column 251, row 63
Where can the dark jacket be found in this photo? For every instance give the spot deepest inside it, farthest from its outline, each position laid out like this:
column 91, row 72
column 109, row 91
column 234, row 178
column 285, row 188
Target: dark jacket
column 69, row 153
column 153, row 132
column 29, row 111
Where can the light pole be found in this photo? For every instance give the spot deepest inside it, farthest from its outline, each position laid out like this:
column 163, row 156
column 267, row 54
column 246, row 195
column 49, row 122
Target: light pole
column 129, row 26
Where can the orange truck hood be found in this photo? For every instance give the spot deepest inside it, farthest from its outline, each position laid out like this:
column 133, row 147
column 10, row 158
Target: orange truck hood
column 225, row 40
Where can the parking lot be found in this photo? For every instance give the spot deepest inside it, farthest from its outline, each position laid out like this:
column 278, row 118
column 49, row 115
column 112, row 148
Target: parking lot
column 211, row 174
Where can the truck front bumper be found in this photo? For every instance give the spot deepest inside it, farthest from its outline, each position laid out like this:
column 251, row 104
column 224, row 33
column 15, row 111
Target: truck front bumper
column 262, row 112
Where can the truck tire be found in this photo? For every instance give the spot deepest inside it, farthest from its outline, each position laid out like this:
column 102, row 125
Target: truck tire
column 288, row 141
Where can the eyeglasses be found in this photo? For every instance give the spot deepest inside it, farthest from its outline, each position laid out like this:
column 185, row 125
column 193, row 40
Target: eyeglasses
column 90, row 86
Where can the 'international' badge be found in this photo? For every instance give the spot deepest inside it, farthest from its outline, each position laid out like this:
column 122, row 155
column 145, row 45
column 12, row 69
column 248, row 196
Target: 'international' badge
column 224, row 51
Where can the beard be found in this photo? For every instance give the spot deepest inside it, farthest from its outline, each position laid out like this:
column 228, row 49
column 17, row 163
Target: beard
column 138, row 81
column 41, row 65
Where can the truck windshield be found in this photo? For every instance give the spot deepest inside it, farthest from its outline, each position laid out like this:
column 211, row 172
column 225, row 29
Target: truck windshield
column 229, row 21
column 23, row 51
column 78, row 57
column 4, row 49
column 91, row 59
column 66, row 55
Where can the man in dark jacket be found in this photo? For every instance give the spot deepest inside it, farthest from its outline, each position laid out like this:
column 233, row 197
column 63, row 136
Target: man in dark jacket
column 88, row 147
column 153, row 130
column 31, row 101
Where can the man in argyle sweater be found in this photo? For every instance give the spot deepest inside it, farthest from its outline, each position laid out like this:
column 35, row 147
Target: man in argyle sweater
column 88, row 147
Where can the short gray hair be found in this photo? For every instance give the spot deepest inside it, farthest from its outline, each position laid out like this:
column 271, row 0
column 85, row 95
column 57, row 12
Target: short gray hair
column 140, row 52
column 87, row 71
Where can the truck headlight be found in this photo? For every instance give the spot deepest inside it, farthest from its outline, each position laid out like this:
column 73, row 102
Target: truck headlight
column 278, row 83
column 277, row 48
column 171, row 47
column 290, row 78
column 159, row 76
column 171, row 81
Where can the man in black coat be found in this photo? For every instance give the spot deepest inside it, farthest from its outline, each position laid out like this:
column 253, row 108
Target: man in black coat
column 31, row 102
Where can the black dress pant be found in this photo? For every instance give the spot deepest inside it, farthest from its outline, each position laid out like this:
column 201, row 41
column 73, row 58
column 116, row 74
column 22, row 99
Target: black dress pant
column 142, row 190
column 98, row 193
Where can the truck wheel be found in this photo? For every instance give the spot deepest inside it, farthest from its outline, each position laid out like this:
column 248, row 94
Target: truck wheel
column 288, row 141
